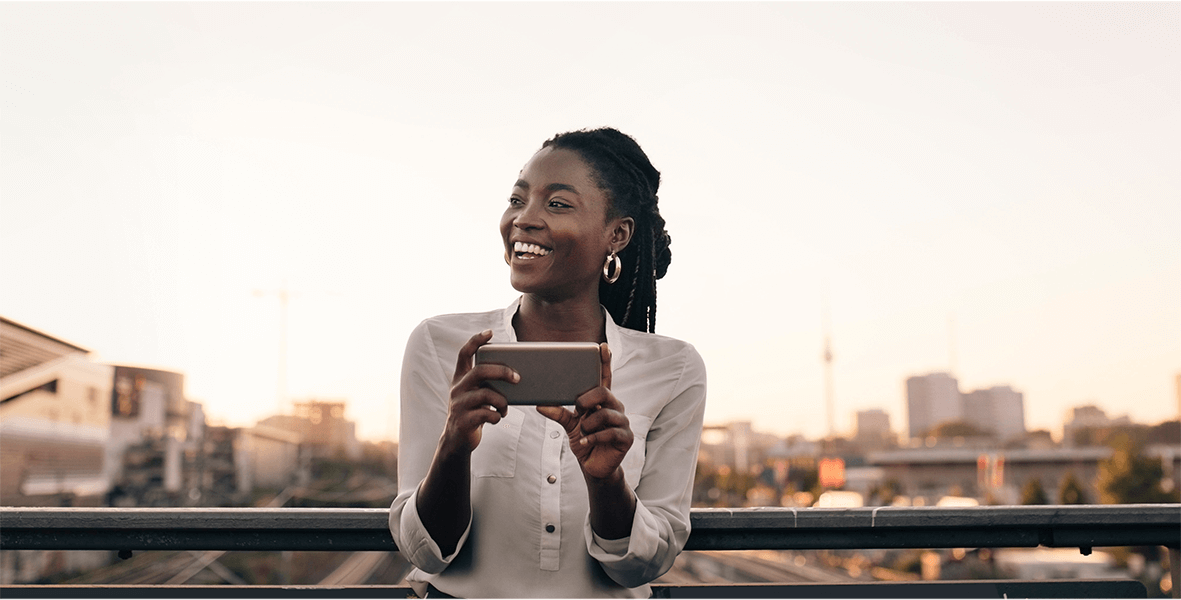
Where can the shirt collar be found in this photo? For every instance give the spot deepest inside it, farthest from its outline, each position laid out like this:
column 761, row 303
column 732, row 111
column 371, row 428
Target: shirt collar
column 614, row 339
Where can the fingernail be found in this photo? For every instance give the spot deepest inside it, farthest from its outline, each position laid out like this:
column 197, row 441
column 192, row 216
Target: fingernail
column 516, row 377
column 582, row 441
column 487, row 332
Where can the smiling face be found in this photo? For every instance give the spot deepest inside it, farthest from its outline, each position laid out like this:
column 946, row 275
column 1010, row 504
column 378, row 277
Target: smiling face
column 556, row 229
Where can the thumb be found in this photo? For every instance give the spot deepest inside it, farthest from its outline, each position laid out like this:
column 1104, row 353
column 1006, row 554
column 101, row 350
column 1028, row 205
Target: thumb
column 605, row 365
column 564, row 417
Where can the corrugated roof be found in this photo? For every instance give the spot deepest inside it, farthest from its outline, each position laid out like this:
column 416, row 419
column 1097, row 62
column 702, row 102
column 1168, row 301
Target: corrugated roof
column 22, row 347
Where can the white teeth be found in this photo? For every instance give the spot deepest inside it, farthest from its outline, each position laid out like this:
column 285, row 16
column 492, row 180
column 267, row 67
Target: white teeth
column 529, row 249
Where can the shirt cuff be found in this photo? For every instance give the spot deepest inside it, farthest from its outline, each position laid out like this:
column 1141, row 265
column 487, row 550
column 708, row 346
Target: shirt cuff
column 613, row 547
column 632, row 561
column 423, row 552
column 642, row 542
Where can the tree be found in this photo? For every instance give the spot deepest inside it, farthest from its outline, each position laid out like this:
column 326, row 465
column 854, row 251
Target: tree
column 1168, row 432
column 950, row 429
column 1034, row 493
column 1129, row 477
column 1071, row 490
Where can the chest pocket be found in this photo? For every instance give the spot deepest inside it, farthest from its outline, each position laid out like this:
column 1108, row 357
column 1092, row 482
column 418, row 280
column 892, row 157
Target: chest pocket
column 496, row 456
column 633, row 461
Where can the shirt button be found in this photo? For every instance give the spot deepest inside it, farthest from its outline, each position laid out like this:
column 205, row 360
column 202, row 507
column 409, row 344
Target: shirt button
column 549, row 528
column 551, row 479
column 553, row 435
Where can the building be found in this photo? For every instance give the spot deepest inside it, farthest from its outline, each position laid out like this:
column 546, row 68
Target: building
column 873, row 430
column 999, row 410
column 322, row 428
column 75, row 432
column 54, row 427
column 736, row 445
column 273, row 458
column 1083, row 418
column 221, row 465
column 54, row 419
column 931, row 473
column 931, row 400
column 155, row 439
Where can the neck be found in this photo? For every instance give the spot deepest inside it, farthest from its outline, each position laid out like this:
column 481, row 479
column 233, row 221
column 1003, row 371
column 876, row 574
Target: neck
column 571, row 320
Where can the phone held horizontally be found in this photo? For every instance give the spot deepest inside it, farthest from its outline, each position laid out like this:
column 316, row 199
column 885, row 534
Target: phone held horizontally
column 551, row 372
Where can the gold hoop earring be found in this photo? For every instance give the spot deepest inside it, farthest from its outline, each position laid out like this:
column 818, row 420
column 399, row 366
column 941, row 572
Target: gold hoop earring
column 612, row 275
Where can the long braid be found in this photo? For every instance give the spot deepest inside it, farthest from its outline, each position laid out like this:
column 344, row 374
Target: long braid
column 630, row 181
column 627, row 320
column 643, row 251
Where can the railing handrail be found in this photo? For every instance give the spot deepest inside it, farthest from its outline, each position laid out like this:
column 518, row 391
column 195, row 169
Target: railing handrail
column 361, row 529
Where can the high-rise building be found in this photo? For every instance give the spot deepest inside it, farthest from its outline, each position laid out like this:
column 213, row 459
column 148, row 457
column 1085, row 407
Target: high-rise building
column 999, row 410
column 931, row 400
column 873, row 422
column 873, row 429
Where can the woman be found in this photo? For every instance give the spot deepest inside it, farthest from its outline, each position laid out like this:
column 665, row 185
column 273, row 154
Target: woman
column 554, row 502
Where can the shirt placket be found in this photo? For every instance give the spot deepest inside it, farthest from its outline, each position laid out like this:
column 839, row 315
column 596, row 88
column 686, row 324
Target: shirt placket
column 551, row 495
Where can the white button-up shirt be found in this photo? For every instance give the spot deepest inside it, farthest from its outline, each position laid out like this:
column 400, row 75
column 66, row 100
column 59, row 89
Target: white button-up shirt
column 530, row 532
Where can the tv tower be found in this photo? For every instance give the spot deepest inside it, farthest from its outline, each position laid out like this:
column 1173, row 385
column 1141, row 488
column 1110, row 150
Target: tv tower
column 284, row 295
column 829, row 401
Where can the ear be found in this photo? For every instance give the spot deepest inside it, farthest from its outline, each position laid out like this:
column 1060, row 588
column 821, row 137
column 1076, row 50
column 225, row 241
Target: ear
column 621, row 230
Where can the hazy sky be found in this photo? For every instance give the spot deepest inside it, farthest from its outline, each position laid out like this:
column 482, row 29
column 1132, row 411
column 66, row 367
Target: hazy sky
column 994, row 182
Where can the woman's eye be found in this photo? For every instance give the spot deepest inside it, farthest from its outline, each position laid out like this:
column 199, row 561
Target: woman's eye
column 558, row 204
column 513, row 201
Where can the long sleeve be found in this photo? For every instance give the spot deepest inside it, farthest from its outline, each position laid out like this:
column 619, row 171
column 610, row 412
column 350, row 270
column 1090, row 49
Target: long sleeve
column 660, row 527
column 423, row 415
column 529, row 533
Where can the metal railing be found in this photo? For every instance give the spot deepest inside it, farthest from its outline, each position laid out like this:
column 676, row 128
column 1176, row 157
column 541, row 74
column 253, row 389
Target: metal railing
column 360, row 529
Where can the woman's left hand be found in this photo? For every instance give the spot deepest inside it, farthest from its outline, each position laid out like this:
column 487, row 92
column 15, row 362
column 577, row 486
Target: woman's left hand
column 597, row 427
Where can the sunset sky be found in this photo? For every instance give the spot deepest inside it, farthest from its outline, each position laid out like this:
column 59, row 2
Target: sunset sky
column 994, row 184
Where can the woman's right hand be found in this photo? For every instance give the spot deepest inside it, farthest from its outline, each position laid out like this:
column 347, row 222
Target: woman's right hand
column 472, row 403
column 444, row 498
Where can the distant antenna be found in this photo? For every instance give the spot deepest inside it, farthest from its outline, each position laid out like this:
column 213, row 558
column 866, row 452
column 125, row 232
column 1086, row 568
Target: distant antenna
column 829, row 402
column 284, row 294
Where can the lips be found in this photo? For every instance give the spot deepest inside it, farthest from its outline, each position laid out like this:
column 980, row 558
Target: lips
column 526, row 251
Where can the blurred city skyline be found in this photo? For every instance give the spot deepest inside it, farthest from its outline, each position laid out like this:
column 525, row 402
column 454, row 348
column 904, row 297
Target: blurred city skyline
column 993, row 185
column 79, row 433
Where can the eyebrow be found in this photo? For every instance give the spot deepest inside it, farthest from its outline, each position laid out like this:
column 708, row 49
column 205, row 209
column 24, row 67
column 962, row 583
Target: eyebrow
column 553, row 187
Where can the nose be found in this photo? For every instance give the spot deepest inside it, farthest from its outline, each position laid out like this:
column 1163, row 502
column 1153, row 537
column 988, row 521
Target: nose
column 531, row 216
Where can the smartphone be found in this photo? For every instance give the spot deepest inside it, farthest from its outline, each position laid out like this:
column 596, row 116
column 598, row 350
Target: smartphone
column 551, row 372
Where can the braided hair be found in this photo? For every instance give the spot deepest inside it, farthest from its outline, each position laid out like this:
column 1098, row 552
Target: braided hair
column 628, row 179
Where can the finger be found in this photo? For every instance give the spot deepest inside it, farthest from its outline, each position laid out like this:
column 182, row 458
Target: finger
column 463, row 363
column 468, row 423
column 605, row 361
column 614, row 437
column 481, row 399
column 563, row 416
column 481, row 373
column 476, row 418
column 604, row 419
column 597, row 399
column 589, row 401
